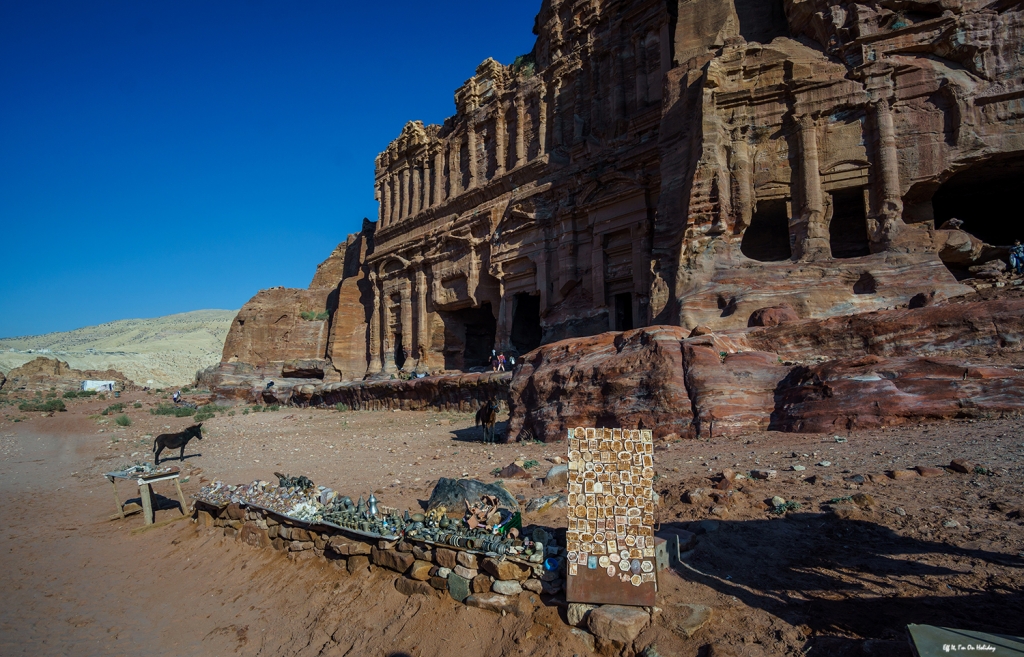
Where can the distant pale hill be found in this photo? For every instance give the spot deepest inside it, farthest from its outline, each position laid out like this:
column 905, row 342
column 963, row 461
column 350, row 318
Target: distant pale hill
column 158, row 352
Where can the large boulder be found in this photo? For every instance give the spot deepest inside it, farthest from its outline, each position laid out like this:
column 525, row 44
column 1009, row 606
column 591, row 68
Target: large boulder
column 453, row 494
column 618, row 623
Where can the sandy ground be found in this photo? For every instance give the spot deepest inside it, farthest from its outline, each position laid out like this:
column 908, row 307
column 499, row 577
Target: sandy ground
column 829, row 577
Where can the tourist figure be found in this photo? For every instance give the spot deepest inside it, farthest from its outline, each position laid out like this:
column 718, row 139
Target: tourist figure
column 176, row 397
column 1017, row 257
column 494, row 362
column 501, row 362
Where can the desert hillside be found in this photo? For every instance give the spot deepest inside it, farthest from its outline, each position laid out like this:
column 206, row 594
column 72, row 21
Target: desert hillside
column 158, row 352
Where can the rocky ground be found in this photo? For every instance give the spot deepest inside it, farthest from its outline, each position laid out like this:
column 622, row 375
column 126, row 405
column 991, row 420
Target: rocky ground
column 859, row 543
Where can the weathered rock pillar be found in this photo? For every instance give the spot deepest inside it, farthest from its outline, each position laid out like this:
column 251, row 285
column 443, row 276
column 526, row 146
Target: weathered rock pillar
column 890, row 214
column 375, row 319
column 385, row 202
column 499, row 139
column 740, row 163
column 810, row 232
column 428, row 180
column 520, row 131
column 455, row 166
column 422, row 321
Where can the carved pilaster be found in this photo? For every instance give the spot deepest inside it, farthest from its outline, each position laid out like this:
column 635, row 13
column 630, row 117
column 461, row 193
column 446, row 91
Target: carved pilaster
column 810, row 231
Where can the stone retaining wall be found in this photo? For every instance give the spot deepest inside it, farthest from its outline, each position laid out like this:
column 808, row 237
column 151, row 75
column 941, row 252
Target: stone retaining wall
column 420, row 568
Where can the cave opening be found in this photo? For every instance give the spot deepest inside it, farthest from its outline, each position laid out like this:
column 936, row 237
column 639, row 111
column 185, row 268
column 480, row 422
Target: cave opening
column 848, row 230
column 985, row 197
column 761, row 20
column 624, row 311
column 767, row 237
column 526, row 332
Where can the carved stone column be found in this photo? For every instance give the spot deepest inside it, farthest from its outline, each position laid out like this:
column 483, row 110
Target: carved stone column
column 740, row 164
column 542, row 128
column 455, row 166
column 388, row 341
column 384, row 195
column 890, row 214
column 406, row 195
column 415, row 198
column 422, row 321
column 810, row 232
column 640, row 48
column 520, row 131
column 471, row 143
column 396, row 199
column 597, row 270
column 437, row 188
column 557, row 130
column 499, row 139
column 375, row 319
column 407, row 329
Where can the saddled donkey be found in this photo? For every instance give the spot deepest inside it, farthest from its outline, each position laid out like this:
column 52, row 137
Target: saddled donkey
column 176, row 440
column 488, row 416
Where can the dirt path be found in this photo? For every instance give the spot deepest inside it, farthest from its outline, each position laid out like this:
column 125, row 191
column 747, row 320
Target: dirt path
column 830, row 576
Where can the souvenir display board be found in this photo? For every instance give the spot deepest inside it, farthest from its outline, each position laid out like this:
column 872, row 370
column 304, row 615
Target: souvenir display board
column 610, row 539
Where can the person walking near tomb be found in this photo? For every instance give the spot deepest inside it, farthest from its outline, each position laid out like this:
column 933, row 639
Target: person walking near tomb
column 494, row 361
column 501, row 362
column 1017, row 257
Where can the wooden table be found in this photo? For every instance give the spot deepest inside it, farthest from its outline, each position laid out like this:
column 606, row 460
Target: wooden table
column 145, row 481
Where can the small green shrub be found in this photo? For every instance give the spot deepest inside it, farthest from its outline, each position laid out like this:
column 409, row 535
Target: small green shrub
column 203, row 415
column 341, row 407
column 257, row 409
column 311, row 316
column 70, row 394
column 137, row 405
column 273, row 407
column 245, row 411
column 41, row 406
column 51, row 395
column 231, row 414
column 123, row 421
column 171, row 409
column 113, row 408
column 529, row 464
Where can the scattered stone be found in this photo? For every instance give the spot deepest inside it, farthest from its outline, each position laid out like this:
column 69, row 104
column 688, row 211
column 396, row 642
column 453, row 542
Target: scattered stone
column 950, row 524
column 825, row 464
column 492, row 602
column 778, row 501
column 695, row 496
column 926, row 471
column 506, row 587
column 458, row 587
column 696, row 618
column 533, row 585
column 962, row 466
column 542, row 504
column 764, row 474
column 799, row 468
column 900, row 511
column 903, row 474
column 358, row 563
column 586, row 637
column 864, row 501
column 454, row 494
column 558, row 476
column 578, row 613
column 514, row 471
column 855, row 479
column 618, row 623
column 719, row 511
column 407, row 586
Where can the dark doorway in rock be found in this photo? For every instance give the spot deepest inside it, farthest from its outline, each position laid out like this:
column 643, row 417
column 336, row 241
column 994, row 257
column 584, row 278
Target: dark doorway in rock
column 526, row 331
column 399, row 351
column 986, row 197
column 767, row 237
column 865, row 284
column 761, row 20
column 468, row 337
column 624, row 312
column 848, row 230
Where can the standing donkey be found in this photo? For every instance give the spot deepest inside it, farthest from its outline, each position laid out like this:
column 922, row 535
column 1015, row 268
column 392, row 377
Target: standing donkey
column 488, row 416
column 176, row 440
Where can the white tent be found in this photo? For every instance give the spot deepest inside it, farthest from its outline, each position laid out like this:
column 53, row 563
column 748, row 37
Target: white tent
column 99, row 386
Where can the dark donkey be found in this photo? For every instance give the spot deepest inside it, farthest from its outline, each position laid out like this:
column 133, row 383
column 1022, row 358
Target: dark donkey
column 176, row 440
column 487, row 416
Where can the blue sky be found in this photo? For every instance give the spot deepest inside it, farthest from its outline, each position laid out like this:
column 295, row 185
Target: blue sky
column 172, row 155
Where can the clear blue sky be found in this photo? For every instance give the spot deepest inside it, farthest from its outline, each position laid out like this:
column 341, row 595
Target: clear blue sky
column 161, row 156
